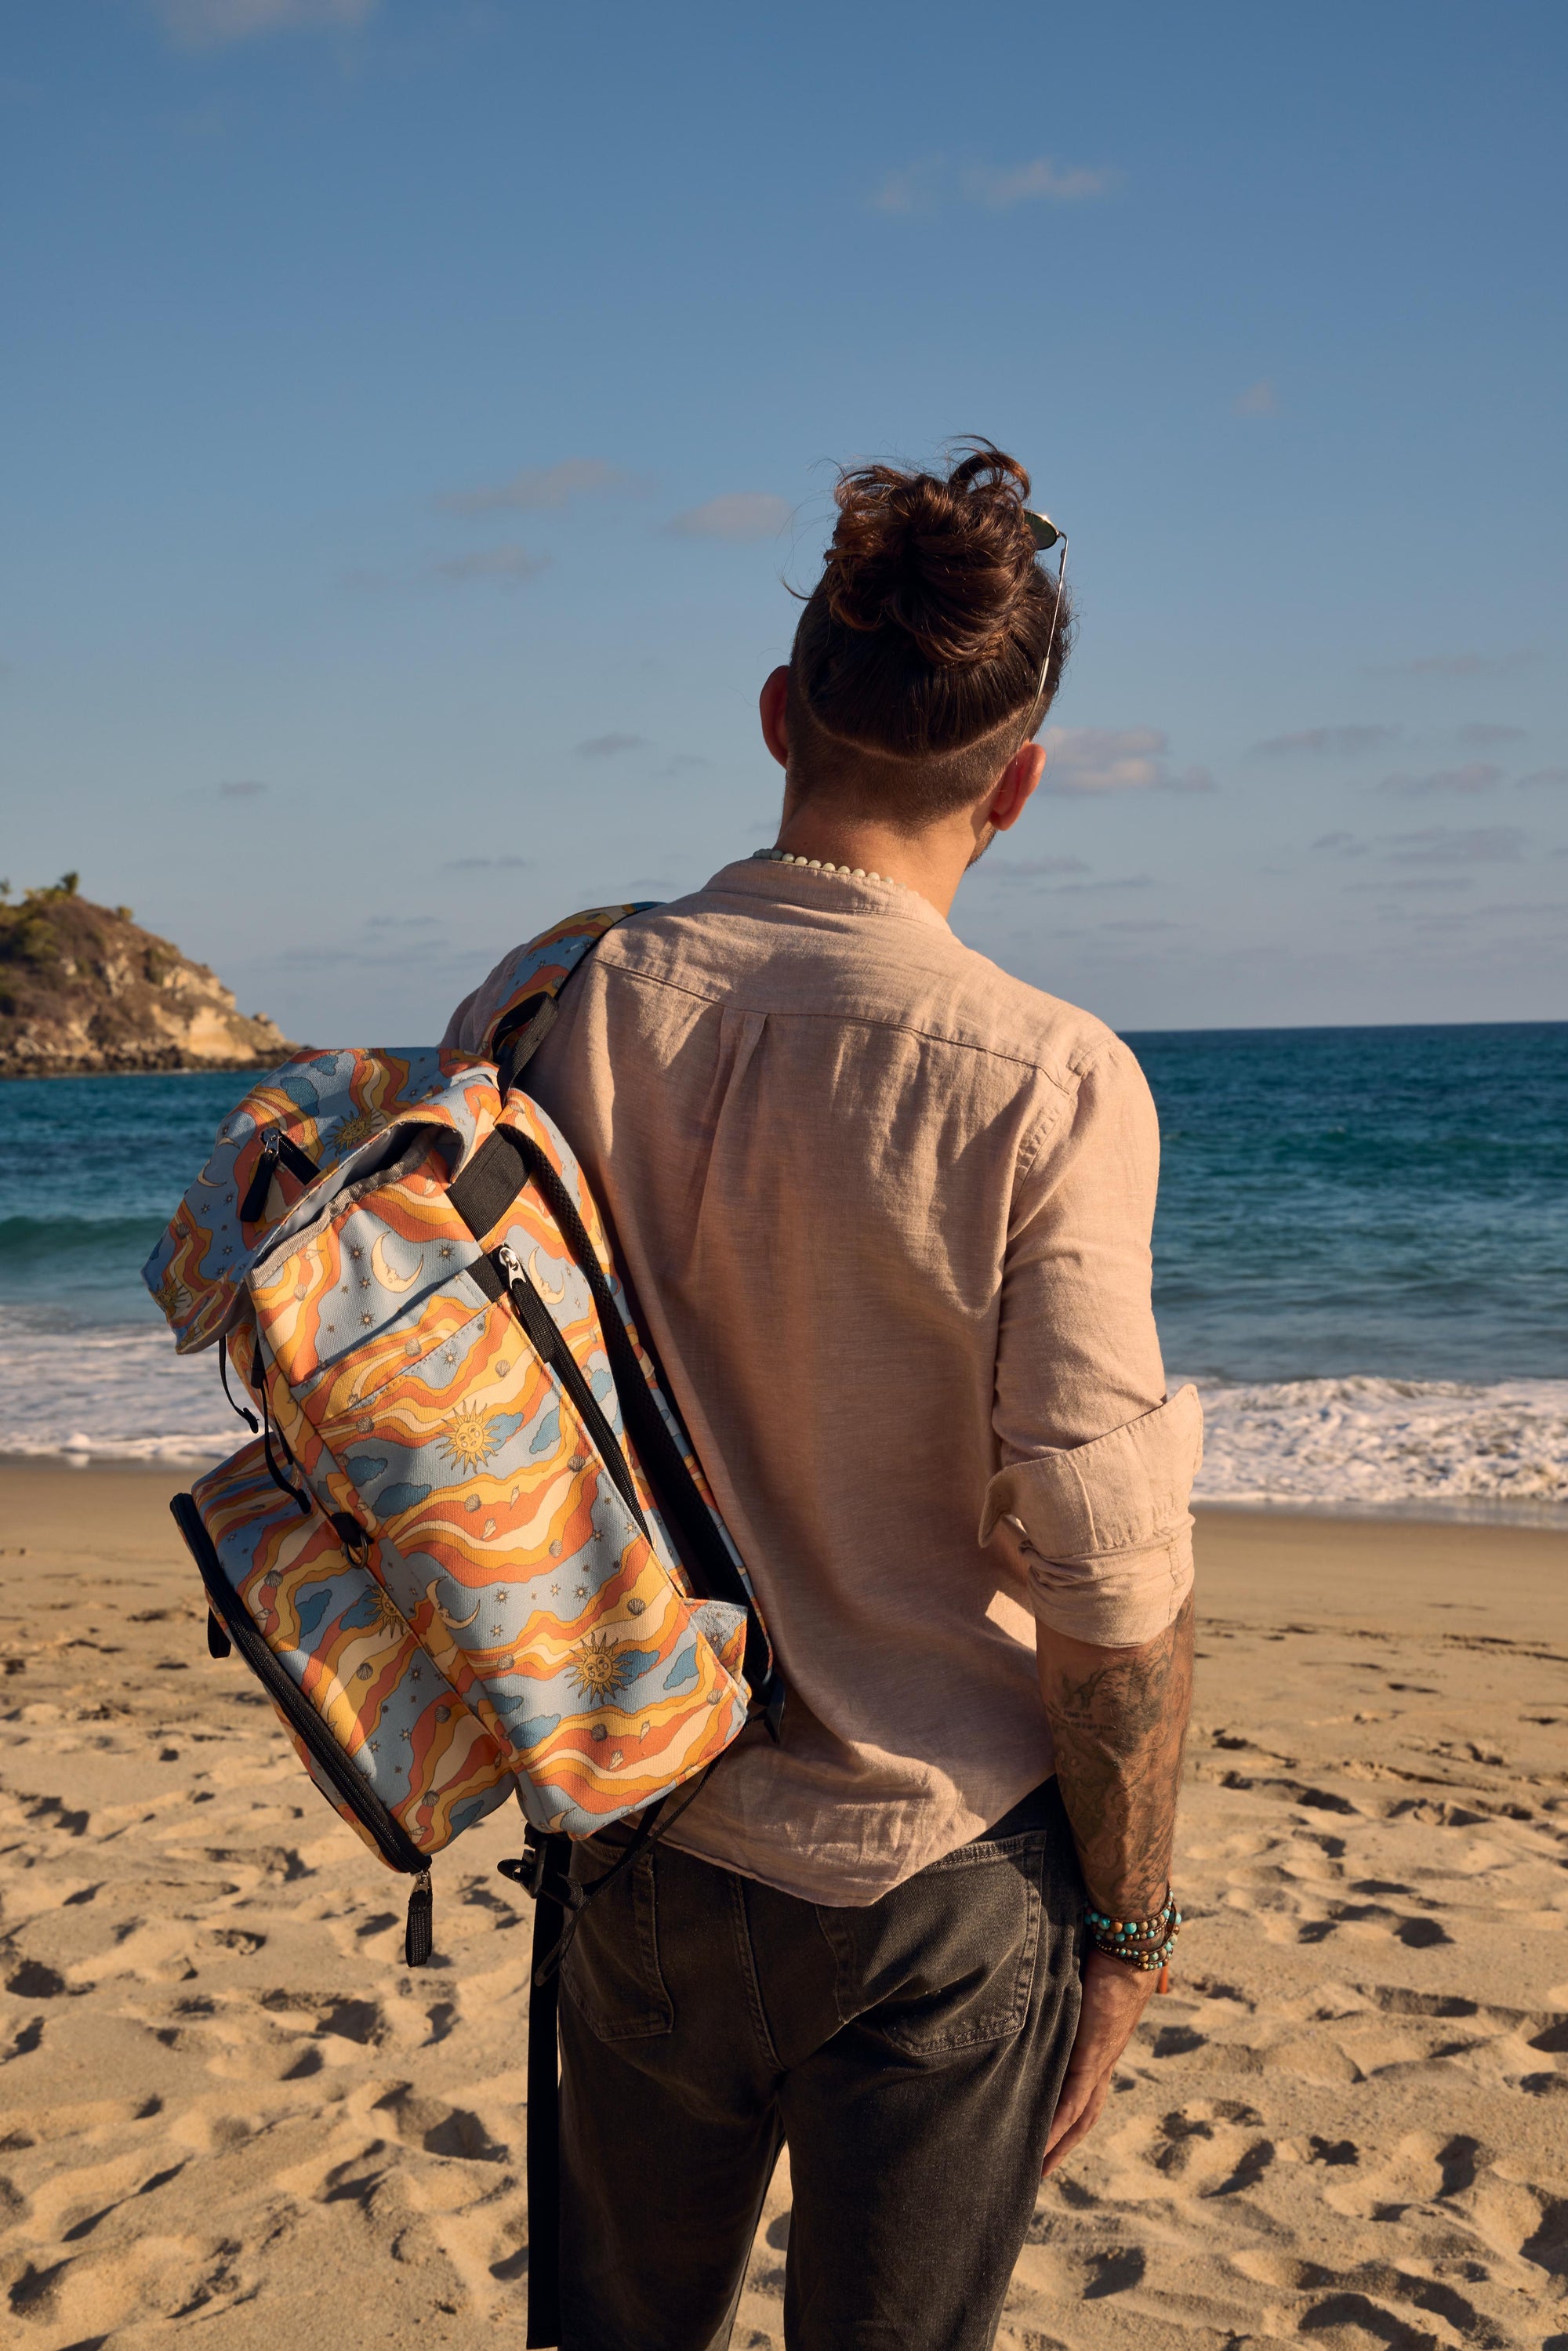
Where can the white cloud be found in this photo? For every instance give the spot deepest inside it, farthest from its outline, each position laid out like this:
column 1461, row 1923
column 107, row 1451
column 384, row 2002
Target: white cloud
column 1479, row 737
column 925, row 186
column 915, row 189
column 1412, row 883
column 1436, row 844
column 609, row 746
column 1259, row 398
column 213, row 23
column 1022, row 184
column 1475, row 777
column 739, row 515
column 1327, row 742
column 510, row 565
column 1546, row 776
column 1033, row 869
column 539, row 487
column 1115, row 760
column 1460, row 664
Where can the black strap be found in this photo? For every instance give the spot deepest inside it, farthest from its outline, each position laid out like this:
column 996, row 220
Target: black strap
column 481, row 1195
column 701, row 1547
column 276, row 1146
column 544, row 2103
column 490, row 1183
column 523, row 1028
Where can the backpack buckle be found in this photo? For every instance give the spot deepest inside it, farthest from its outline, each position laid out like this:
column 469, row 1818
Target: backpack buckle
column 532, row 1868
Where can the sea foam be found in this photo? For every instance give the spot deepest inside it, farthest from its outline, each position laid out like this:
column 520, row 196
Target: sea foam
column 1487, row 1450
column 121, row 1392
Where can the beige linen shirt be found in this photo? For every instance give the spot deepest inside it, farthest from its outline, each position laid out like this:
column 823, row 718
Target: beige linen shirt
column 886, row 1213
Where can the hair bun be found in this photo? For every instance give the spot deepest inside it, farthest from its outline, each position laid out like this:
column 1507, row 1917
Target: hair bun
column 947, row 562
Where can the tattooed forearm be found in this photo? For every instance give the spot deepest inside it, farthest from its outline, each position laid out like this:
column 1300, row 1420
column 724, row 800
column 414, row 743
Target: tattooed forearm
column 1118, row 1718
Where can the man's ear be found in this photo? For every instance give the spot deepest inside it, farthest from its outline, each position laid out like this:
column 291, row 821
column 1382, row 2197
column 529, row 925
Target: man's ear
column 772, row 707
column 1016, row 787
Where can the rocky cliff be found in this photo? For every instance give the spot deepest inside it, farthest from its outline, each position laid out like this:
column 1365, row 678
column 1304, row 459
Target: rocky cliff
column 84, row 988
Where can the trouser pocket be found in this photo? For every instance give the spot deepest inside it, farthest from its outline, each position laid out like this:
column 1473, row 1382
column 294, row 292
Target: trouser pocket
column 611, row 1972
column 945, row 1962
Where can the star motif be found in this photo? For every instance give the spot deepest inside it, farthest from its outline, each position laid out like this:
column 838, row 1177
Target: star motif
column 356, row 1252
column 367, row 1318
column 445, row 1250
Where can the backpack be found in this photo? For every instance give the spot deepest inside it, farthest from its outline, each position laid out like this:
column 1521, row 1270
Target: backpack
column 470, row 1552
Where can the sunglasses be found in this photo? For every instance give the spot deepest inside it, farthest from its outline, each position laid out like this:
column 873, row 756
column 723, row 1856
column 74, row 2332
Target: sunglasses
column 1045, row 536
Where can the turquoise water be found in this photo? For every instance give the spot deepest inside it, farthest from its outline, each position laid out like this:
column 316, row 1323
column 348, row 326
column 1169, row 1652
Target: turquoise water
column 1344, row 1200
column 1361, row 1254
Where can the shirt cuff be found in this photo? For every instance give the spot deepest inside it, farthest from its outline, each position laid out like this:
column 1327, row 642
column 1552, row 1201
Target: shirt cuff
column 1106, row 1531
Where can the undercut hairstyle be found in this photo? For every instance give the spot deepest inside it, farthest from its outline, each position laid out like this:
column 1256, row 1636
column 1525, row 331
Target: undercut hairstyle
column 916, row 672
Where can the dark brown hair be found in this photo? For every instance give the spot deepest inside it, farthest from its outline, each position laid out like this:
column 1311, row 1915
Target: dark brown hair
column 920, row 647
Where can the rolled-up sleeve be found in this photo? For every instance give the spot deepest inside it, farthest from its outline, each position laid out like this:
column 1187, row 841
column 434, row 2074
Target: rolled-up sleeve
column 1097, row 1464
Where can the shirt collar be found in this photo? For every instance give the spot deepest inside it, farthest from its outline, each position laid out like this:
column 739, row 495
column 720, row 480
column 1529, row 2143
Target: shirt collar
column 824, row 893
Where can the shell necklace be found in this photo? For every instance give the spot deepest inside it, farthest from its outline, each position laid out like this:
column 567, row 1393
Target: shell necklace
column 819, row 866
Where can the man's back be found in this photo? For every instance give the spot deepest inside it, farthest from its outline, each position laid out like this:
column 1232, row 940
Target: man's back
column 886, row 1212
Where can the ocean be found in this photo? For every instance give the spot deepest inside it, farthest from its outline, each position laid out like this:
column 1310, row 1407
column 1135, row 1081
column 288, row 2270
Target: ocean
column 1361, row 1256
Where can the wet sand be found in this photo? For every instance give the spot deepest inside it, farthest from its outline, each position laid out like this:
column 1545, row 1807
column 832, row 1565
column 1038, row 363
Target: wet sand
column 225, row 2104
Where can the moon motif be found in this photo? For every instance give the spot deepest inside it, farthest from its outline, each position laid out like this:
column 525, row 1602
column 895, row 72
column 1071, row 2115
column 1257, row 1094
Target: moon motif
column 380, row 1266
column 453, row 1623
column 551, row 1297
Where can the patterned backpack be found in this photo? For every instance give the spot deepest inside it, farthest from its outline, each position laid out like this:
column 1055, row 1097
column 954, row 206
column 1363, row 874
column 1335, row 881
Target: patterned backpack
column 471, row 1552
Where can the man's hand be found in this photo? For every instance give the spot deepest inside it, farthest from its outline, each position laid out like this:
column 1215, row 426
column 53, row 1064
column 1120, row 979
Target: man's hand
column 1113, row 1999
column 1118, row 1718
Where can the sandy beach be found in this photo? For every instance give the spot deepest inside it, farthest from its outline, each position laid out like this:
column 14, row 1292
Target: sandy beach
column 226, row 2105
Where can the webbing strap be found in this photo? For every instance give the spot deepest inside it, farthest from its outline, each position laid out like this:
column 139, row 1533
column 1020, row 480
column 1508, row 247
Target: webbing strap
column 481, row 1195
column 544, row 2110
column 698, row 1540
column 490, row 1183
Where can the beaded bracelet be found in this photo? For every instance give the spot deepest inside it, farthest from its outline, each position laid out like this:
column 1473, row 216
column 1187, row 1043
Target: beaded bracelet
column 1145, row 1943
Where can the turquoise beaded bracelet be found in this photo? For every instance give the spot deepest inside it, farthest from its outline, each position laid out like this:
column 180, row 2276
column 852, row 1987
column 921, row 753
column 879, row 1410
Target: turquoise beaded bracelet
column 1138, row 1942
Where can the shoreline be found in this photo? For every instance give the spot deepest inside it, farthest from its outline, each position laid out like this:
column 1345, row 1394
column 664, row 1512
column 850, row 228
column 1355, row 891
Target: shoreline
column 1547, row 1519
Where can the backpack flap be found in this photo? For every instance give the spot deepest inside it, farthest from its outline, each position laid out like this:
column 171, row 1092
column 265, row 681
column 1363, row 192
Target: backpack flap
column 322, row 1123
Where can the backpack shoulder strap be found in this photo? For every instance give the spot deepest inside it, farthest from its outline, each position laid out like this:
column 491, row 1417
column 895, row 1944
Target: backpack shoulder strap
column 524, row 1004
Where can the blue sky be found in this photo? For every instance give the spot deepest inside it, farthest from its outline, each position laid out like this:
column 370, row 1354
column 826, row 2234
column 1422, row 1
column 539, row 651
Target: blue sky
column 415, row 410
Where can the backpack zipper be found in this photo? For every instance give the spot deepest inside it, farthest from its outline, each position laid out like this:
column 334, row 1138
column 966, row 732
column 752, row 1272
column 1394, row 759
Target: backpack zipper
column 549, row 1342
column 277, row 1145
column 392, row 1839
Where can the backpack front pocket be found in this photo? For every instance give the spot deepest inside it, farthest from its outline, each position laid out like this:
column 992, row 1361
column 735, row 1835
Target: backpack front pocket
column 477, row 1457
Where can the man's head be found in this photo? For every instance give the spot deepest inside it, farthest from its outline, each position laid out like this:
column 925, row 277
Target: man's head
column 915, row 674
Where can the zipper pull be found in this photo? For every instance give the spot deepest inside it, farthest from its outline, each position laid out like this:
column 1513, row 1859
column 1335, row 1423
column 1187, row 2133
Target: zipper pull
column 419, row 1935
column 254, row 1206
column 507, row 1258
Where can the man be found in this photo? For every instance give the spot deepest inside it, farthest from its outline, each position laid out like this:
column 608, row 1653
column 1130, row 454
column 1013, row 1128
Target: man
column 886, row 1212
